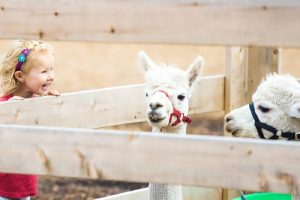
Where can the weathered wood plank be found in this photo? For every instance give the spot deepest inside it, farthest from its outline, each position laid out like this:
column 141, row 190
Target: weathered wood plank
column 103, row 107
column 260, row 23
column 220, row 162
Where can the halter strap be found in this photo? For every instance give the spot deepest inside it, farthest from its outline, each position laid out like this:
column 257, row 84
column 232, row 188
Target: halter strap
column 276, row 133
column 180, row 117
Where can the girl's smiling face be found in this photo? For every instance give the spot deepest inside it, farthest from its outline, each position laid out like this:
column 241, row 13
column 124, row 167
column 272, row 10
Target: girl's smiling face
column 41, row 74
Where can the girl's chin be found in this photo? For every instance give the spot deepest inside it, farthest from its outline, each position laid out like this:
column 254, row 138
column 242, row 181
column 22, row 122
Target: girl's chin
column 43, row 92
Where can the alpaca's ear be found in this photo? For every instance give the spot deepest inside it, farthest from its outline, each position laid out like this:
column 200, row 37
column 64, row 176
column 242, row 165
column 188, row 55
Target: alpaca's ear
column 145, row 61
column 195, row 69
column 295, row 110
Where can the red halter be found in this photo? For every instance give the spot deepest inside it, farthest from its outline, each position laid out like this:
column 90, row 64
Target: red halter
column 180, row 117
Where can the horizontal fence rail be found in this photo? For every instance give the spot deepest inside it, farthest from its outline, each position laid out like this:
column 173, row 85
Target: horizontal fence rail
column 104, row 107
column 219, row 162
column 220, row 22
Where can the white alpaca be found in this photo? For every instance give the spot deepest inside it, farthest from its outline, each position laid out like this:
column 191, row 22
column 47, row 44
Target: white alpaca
column 276, row 104
column 168, row 93
column 274, row 113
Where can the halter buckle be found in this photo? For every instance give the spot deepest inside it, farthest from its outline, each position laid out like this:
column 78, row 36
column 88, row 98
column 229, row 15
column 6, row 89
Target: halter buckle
column 278, row 133
column 178, row 118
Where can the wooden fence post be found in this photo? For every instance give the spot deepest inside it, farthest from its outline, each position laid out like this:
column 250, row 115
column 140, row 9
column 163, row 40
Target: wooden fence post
column 245, row 68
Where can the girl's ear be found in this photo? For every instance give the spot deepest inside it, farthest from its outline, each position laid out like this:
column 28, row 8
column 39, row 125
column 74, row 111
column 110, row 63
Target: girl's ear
column 20, row 76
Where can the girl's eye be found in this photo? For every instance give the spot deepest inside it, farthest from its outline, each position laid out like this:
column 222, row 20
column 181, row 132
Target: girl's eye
column 263, row 109
column 180, row 97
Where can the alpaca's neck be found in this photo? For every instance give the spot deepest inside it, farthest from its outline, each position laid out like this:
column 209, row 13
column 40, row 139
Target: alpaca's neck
column 166, row 191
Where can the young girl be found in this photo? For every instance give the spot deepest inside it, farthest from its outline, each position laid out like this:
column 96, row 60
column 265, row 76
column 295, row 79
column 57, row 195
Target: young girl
column 27, row 71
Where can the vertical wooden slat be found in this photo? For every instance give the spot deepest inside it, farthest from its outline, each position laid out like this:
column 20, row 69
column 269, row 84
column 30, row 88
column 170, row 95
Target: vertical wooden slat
column 245, row 68
column 261, row 61
column 235, row 77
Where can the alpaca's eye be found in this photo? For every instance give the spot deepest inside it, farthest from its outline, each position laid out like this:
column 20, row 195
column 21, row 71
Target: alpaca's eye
column 146, row 94
column 263, row 109
column 181, row 97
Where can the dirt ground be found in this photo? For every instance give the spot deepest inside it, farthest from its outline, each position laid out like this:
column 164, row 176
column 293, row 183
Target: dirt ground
column 83, row 66
column 58, row 188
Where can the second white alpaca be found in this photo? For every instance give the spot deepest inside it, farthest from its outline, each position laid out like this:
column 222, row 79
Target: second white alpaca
column 276, row 103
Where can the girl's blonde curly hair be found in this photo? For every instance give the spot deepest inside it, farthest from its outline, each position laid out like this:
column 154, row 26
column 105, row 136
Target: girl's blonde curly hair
column 8, row 83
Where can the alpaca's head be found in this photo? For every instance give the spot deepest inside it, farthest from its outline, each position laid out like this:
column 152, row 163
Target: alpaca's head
column 167, row 87
column 276, row 103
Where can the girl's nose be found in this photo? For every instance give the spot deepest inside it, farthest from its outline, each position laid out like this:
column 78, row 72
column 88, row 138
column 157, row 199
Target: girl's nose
column 51, row 75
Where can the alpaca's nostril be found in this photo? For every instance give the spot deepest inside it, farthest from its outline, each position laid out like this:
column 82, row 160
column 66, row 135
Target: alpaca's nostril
column 228, row 129
column 159, row 105
column 154, row 106
column 228, row 118
column 235, row 133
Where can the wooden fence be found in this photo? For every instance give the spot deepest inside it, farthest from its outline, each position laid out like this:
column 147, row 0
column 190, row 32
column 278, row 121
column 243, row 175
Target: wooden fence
column 53, row 130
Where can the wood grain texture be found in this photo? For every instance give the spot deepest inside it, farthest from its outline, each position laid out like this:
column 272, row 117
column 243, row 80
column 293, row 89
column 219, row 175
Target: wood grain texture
column 246, row 67
column 104, row 107
column 219, row 162
column 260, row 23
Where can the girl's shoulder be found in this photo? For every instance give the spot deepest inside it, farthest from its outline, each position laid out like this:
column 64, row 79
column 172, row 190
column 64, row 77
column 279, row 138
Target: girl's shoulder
column 6, row 97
